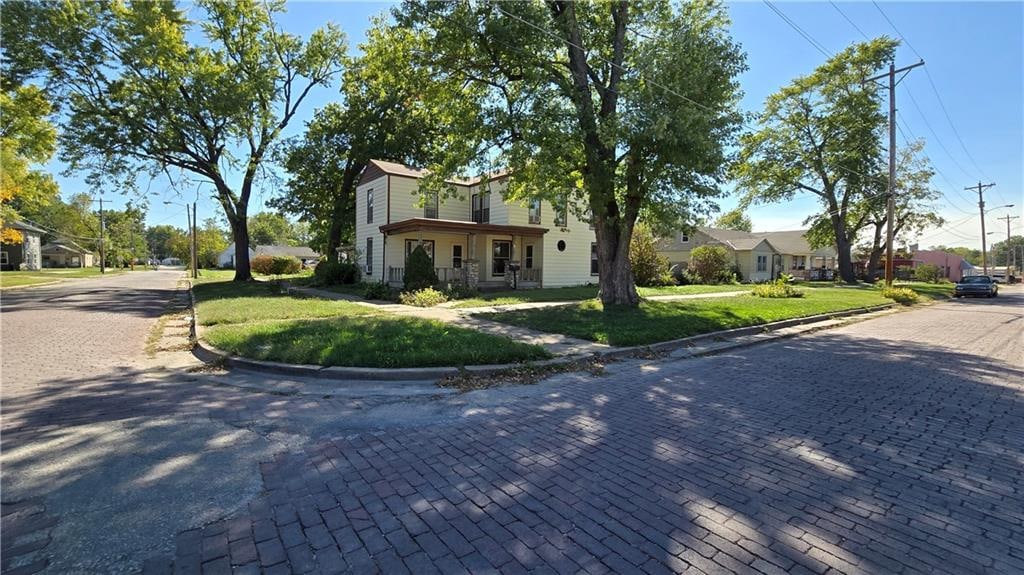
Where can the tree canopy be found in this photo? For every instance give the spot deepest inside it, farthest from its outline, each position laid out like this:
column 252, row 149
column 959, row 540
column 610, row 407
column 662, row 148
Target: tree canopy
column 141, row 97
column 626, row 106
column 27, row 138
column 822, row 135
column 735, row 220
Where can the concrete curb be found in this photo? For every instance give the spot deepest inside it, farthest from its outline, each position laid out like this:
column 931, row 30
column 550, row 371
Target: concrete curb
column 209, row 354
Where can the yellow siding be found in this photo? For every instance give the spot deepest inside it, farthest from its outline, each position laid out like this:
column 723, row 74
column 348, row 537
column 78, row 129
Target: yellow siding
column 572, row 266
column 365, row 230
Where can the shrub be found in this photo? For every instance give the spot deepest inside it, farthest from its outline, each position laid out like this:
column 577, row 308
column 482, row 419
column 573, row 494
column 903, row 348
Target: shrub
column 905, row 296
column 777, row 289
column 276, row 265
column 710, row 264
column 419, row 270
column 426, row 297
column 331, row 272
column 460, row 290
column 928, row 273
column 376, row 290
column 649, row 268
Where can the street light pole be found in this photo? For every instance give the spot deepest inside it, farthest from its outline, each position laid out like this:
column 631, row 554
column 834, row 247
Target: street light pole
column 980, row 188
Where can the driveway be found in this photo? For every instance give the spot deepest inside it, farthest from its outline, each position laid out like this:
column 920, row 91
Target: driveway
column 893, row 445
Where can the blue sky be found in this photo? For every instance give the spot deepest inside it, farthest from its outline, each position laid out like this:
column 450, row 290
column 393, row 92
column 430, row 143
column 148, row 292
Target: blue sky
column 973, row 53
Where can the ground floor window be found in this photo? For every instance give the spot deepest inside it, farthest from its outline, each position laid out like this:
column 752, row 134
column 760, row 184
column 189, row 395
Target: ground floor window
column 456, row 256
column 500, row 254
column 428, row 246
column 369, row 256
column 762, row 263
column 799, row 262
column 529, row 257
column 593, row 259
column 3, row 258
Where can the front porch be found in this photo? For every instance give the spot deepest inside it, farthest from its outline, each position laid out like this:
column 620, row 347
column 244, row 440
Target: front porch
column 484, row 256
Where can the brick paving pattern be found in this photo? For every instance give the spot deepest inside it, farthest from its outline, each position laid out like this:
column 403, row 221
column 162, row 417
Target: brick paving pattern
column 836, row 453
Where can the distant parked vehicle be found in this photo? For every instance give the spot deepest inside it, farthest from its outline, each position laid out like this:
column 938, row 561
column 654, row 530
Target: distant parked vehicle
column 976, row 286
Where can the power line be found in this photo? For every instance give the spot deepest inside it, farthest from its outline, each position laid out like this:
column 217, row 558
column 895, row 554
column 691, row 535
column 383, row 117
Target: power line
column 855, row 26
column 817, row 45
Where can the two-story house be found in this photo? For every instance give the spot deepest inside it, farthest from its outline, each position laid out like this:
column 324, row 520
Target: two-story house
column 475, row 237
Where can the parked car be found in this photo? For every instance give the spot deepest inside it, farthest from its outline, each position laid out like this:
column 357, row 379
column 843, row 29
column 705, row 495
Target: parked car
column 976, row 286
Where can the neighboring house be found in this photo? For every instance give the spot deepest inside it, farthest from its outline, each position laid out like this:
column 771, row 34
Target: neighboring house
column 66, row 254
column 24, row 254
column 951, row 266
column 477, row 237
column 759, row 256
column 226, row 258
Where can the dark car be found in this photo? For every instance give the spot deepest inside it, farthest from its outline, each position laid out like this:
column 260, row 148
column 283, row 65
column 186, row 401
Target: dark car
column 976, row 286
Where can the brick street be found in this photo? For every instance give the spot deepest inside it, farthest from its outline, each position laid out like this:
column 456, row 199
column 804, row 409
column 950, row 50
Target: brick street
column 887, row 446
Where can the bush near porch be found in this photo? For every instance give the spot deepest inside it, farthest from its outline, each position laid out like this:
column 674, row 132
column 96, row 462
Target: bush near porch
column 256, row 320
column 655, row 321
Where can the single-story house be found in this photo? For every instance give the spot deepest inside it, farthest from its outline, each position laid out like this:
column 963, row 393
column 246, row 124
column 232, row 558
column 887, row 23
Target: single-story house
column 25, row 254
column 759, row 256
column 474, row 236
column 226, row 258
column 66, row 254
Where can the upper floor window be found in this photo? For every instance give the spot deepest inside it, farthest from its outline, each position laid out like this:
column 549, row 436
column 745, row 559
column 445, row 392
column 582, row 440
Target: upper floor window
column 369, row 206
column 562, row 211
column 534, row 211
column 482, row 208
column 430, row 207
column 590, row 217
column 684, row 239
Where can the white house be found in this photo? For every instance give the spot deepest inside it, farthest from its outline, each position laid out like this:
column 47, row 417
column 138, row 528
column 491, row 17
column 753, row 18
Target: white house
column 226, row 258
column 476, row 237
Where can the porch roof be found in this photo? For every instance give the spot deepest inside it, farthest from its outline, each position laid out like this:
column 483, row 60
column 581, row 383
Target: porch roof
column 458, row 226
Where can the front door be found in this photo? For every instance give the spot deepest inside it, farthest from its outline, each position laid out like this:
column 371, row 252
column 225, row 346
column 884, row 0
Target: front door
column 776, row 265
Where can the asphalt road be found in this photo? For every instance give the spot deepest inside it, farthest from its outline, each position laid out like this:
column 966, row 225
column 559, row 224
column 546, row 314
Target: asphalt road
column 891, row 445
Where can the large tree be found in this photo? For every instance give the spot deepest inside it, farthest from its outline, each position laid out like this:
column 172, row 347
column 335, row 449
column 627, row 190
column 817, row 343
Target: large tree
column 27, row 138
column 141, row 96
column 822, row 135
column 626, row 106
column 914, row 205
column 735, row 220
column 391, row 110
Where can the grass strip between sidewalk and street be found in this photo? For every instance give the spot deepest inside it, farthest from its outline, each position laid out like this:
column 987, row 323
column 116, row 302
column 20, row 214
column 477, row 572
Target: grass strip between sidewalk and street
column 655, row 321
column 255, row 320
column 50, row 275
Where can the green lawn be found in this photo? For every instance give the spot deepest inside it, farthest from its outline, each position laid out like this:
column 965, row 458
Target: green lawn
column 24, row 278
column 928, row 291
column 255, row 320
column 663, row 321
column 579, row 293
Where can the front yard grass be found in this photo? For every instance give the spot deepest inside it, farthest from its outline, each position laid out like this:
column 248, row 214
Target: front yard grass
column 256, row 320
column 25, row 278
column 655, row 321
column 579, row 293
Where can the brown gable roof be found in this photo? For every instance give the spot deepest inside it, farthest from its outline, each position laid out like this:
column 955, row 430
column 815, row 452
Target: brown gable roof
column 377, row 168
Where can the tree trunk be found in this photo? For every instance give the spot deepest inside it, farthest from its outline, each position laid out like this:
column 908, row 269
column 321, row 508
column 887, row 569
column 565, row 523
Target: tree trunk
column 240, row 233
column 339, row 210
column 616, row 281
column 875, row 257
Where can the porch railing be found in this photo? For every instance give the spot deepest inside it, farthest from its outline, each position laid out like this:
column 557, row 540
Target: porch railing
column 444, row 275
column 530, row 275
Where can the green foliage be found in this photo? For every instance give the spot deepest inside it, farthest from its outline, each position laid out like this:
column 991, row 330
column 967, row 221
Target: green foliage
column 647, row 133
column 209, row 239
column 928, row 273
column 822, row 135
column 26, row 138
column 419, row 270
column 276, row 265
column 735, row 220
column 460, row 290
column 905, row 296
column 1001, row 252
column 141, row 97
column 377, row 290
column 776, row 289
column 649, row 268
column 331, row 272
column 710, row 264
column 426, row 297
column 268, row 228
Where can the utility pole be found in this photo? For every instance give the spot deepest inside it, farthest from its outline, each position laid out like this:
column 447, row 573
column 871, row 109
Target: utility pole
column 103, row 257
column 1010, row 253
column 195, row 241
column 191, row 243
column 890, row 207
column 980, row 188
